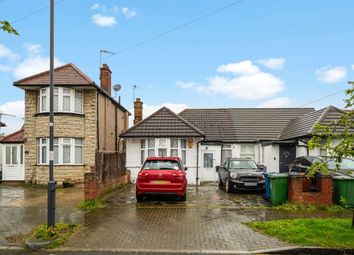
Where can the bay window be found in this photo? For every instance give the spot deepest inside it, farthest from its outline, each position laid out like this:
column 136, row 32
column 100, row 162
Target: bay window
column 64, row 100
column 67, row 151
column 163, row 147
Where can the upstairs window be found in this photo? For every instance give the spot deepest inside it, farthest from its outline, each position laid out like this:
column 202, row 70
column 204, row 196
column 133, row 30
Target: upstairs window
column 64, row 100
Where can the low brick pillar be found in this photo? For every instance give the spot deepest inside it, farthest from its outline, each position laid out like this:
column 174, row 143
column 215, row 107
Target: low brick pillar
column 295, row 188
column 296, row 194
column 91, row 188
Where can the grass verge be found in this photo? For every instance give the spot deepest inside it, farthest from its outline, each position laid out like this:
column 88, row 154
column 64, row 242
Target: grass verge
column 90, row 205
column 334, row 233
column 59, row 234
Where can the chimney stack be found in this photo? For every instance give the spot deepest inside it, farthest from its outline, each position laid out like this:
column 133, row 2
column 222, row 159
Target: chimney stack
column 138, row 111
column 105, row 78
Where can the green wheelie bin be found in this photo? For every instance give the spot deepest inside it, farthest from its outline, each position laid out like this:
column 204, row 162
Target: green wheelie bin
column 343, row 188
column 279, row 188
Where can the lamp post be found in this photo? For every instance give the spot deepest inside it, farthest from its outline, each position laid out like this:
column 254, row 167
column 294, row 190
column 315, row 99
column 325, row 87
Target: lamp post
column 51, row 182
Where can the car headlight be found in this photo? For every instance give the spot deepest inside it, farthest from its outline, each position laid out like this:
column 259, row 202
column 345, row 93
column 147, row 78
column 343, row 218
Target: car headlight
column 233, row 175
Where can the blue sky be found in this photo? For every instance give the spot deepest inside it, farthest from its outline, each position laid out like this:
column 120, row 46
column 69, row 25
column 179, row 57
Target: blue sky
column 257, row 53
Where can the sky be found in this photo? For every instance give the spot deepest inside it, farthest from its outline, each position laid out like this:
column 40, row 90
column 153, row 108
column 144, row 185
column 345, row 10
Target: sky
column 182, row 53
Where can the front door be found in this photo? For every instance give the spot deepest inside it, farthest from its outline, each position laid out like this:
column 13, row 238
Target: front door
column 287, row 154
column 208, row 165
column 13, row 167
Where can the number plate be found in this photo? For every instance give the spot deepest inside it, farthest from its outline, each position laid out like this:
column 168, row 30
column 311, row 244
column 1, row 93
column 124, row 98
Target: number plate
column 253, row 184
column 160, row 182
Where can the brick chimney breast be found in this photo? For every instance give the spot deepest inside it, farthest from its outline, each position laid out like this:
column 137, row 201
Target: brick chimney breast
column 105, row 78
column 138, row 111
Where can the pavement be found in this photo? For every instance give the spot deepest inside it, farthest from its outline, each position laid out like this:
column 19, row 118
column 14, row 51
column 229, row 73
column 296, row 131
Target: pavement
column 23, row 208
column 210, row 221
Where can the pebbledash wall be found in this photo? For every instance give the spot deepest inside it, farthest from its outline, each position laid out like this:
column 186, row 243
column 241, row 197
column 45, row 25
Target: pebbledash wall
column 66, row 125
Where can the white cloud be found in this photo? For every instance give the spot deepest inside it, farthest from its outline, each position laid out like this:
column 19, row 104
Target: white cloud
column 273, row 63
column 243, row 67
column 7, row 53
column 249, row 83
column 276, row 103
column 33, row 49
column 150, row 109
column 98, row 6
column 12, row 123
column 128, row 13
column 353, row 67
column 33, row 65
column 104, row 21
column 328, row 74
column 186, row 85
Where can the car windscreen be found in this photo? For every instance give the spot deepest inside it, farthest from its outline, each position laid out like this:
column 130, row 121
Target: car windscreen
column 347, row 164
column 161, row 165
column 242, row 164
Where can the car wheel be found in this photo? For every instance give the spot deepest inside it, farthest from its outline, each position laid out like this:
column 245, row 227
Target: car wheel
column 139, row 198
column 183, row 198
column 228, row 189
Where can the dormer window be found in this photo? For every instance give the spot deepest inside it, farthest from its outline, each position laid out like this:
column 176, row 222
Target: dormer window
column 65, row 100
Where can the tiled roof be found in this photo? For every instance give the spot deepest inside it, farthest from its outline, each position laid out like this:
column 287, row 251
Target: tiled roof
column 304, row 125
column 163, row 123
column 16, row 137
column 242, row 124
column 67, row 74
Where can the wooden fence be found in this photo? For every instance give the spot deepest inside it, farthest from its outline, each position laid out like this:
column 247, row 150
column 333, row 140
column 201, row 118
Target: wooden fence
column 109, row 165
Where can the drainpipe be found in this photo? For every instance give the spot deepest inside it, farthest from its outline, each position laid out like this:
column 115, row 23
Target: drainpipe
column 197, row 173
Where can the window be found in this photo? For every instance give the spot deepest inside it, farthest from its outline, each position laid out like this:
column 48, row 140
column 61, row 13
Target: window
column 183, row 156
column 183, row 150
column 78, row 151
column 11, row 155
column 226, row 153
column 247, row 151
column 142, row 157
column 208, row 160
column 174, row 152
column 183, row 143
column 67, row 151
column 151, row 152
column 162, row 152
column 174, row 143
column 64, row 100
column 142, row 153
column 163, row 147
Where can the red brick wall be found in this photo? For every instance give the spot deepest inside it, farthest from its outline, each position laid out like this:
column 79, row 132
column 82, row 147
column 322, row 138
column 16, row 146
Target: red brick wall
column 296, row 193
column 93, row 189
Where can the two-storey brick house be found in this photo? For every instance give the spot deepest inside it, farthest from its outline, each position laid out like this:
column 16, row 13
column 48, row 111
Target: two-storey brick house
column 86, row 120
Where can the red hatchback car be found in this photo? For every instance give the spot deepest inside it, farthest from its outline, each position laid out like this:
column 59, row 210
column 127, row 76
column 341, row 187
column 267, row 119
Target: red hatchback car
column 162, row 176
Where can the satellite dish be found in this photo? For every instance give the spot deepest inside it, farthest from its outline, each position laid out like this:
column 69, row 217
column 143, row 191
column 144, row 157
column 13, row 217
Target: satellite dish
column 117, row 87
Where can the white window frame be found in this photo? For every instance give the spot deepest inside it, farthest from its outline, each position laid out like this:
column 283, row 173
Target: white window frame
column 166, row 145
column 44, row 143
column 44, row 104
column 247, row 154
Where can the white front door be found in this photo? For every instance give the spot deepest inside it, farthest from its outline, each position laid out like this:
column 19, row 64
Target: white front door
column 13, row 162
column 208, row 172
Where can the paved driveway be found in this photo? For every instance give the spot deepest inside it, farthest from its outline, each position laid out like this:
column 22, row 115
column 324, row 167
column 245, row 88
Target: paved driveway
column 22, row 208
column 210, row 220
